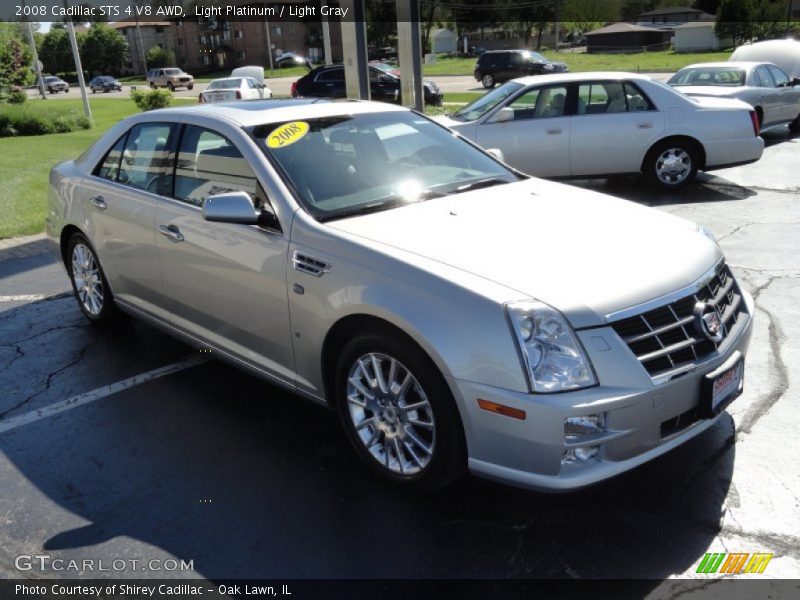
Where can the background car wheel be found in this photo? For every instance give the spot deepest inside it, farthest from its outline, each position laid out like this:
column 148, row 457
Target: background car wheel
column 190, row 87
column 671, row 164
column 89, row 282
column 152, row 85
column 794, row 126
column 171, row 87
column 399, row 413
column 50, row 90
column 487, row 81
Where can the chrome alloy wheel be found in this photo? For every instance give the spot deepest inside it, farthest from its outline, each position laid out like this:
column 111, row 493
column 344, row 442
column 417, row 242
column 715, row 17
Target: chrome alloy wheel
column 391, row 413
column 673, row 166
column 87, row 279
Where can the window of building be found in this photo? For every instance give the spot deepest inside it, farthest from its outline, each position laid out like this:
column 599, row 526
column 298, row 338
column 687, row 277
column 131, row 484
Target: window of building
column 159, row 30
column 276, row 31
column 239, row 34
column 240, row 55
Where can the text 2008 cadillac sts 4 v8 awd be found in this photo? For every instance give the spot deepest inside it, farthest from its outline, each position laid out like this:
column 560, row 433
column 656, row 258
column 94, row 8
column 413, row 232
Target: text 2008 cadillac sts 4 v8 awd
column 456, row 313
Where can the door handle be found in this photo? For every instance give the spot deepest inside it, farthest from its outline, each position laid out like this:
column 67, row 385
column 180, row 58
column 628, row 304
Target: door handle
column 171, row 232
column 554, row 131
column 644, row 124
column 98, row 202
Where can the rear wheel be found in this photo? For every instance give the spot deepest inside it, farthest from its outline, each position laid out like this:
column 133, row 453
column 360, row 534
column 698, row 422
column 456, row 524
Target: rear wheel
column 88, row 281
column 671, row 164
column 398, row 412
column 487, row 81
column 152, row 85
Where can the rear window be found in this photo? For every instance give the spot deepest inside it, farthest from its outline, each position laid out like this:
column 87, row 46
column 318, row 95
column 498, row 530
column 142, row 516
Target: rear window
column 709, row 76
column 225, row 84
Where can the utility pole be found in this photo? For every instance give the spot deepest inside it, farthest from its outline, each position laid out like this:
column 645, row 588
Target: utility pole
column 558, row 23
column 37, row 67
column 139, row 38
column 76, row 55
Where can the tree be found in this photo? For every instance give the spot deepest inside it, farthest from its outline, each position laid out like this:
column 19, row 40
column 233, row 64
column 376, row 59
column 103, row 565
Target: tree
column 104, row 50
column 734, row 20
column 769, row 19
column 15, row 60
column 157, row 57
column 709, row 6
column 633, row 8
column 56, row 52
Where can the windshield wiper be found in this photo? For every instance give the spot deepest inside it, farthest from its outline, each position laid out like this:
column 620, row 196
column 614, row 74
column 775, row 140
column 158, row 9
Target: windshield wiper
column 385, row 203
column 481, row 183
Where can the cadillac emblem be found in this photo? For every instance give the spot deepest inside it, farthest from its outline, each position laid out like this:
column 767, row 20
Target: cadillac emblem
column 707, row 321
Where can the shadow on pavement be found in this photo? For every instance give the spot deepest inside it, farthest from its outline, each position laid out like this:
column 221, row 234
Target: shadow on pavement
column 246, row 480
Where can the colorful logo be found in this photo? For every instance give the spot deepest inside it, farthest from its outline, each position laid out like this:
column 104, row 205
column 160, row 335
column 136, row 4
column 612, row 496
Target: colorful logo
column 734, row 563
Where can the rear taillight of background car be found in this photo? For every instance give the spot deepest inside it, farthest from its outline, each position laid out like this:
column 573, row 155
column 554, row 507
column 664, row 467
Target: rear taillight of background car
column 754, row 119
column 294, row 89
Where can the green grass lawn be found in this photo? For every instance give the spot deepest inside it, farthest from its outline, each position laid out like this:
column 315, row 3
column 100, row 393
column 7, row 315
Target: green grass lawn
column 646, row 62
column 27, row 161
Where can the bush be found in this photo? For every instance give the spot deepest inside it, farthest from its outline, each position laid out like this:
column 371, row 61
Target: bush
column 17, row 96
column 151, row 99
column 24, row 120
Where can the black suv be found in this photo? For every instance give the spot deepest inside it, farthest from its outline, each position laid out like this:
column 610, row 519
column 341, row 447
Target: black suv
column 497, row 66
column 384, row 84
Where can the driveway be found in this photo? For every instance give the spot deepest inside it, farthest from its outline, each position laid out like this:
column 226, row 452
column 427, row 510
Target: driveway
column 123, row 443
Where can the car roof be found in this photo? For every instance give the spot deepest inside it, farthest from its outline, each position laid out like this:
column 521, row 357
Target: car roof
column 230, row 78
column 258, row 112
column 584, row 76
column 736, row 64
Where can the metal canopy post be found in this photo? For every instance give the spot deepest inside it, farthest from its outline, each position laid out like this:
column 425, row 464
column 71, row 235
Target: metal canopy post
column 409, row 53
column 354, row 46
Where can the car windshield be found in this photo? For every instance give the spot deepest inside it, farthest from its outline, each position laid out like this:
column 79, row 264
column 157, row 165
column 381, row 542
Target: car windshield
column 225, row 84
column 347, row 165
column 534, row 56
column 383, row 67
column 173, row 72
column 51, row 79
column 481, row 106
column 709, row 76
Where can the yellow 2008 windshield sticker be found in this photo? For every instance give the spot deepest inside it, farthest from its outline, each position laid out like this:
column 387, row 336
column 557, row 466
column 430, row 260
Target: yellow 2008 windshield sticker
column 287, row 134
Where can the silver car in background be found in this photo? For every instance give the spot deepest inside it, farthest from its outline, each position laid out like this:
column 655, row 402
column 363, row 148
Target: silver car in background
column 456, row 313
column 764, row 86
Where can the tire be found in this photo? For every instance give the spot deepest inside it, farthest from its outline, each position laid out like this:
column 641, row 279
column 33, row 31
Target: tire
column 152, row 85
column 794, row 126
column 170, row 86
column 488, row 81
column 670, row 165
column 50, row 90
column 96, row 304
column 94, row 91
column 429, row 437
column 190, row 87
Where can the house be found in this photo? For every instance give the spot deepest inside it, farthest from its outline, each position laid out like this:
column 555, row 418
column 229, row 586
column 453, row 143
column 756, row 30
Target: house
column 443, row 41
column 142, row 37
column 627, row 38
column 698, row 37
column 672, row 16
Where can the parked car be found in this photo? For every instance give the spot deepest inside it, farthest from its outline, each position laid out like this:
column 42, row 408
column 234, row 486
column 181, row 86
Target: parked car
column 497, row 66
column 104, row 83
column 763, row 86
column 783, row 53
column 599, row 124
column 170, row 78
column 456, row 313
column 328, row 82
column 55, row 84
column 290, row 59
column 234, row 88
column 383, row 54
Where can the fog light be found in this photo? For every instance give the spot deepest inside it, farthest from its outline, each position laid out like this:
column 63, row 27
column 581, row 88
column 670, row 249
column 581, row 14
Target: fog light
column 578, row 427
column 582, row 454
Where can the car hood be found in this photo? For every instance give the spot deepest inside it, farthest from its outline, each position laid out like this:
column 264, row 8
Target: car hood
column 584, row 253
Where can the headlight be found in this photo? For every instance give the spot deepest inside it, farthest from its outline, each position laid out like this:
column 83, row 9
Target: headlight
column 553, row 356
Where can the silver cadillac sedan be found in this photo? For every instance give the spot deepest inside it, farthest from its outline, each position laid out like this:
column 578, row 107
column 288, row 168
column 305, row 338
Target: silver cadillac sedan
column 457, row 314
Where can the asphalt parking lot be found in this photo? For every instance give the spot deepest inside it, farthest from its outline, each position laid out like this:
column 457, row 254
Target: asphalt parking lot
column 122, row 443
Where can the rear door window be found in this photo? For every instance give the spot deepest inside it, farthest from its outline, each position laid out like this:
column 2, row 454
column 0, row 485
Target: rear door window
column 781, row 80
column 764, row 76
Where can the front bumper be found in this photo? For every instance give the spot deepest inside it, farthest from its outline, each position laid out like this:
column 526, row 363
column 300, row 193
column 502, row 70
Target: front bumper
column 640, row 417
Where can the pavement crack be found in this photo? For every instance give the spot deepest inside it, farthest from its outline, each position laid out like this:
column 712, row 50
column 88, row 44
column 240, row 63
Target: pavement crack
column 49, row 381
column 41, row 333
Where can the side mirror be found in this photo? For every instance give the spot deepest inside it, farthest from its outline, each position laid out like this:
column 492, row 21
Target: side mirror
column 503, row 115
column 233, row 207
column 497, row 153
column 795, row 81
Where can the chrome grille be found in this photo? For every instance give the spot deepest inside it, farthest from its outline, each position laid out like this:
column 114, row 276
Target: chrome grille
column 666, row 340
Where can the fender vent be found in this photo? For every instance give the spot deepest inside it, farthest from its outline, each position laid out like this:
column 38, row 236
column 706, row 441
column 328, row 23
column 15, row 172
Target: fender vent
column 308, row 264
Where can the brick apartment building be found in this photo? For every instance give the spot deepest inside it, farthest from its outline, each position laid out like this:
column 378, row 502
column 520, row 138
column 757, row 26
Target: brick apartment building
column 148, row 35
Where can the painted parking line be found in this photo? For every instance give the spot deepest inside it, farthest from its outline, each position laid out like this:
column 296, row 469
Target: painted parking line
column 23, row 298
column 100, row 393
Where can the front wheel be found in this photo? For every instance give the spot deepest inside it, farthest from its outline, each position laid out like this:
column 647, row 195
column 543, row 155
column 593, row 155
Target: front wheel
column 794, row 126
column 190, row 87
column 487, row 81
column 398, row 412
column 88, row 281
column 670, row 165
